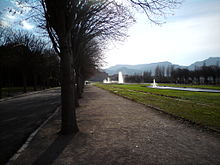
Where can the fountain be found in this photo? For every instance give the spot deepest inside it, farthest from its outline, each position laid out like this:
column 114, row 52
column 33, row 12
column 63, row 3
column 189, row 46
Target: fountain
column 154, row 85
column 120, row 78
column 107, row 81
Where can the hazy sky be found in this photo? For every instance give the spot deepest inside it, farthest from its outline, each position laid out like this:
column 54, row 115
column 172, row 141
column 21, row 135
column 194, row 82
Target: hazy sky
column 192, row 34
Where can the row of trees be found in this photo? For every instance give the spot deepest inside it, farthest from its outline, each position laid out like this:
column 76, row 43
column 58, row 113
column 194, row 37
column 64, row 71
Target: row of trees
column 201, row 75
column 79, row 31
column 25, row 60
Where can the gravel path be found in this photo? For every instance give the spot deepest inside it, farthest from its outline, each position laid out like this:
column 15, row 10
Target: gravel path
column 115, row 131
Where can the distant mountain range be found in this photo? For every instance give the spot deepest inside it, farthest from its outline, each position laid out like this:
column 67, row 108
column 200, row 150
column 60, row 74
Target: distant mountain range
column 140, row 68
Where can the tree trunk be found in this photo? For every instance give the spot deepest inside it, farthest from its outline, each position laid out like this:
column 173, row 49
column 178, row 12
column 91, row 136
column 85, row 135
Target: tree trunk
column 214, row 80
column 76, row 96
column 24, row 83
column 58, row 18
column 82, row 85
column 206, row 80
column 76, row 88
column 0, row 90
column 35, row 82
column 69, row 124
column 198, row 80
column 79, row 85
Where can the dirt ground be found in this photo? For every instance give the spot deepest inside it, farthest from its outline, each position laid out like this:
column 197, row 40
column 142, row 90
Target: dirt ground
column 117, row 131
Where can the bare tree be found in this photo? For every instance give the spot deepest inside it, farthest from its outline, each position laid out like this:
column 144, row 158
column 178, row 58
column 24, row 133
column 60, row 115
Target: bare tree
column 59, row 16
column 70, row 21
column 156, row 10
column 99, row 22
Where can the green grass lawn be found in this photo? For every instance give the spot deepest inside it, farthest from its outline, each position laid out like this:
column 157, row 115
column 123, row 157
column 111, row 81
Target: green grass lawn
column 199, row 107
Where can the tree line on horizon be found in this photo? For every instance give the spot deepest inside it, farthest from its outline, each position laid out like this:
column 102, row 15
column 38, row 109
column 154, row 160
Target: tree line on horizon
column 200, row 75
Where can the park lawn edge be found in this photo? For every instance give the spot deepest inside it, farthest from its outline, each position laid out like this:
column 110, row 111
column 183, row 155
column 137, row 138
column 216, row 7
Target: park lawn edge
column 197, row 123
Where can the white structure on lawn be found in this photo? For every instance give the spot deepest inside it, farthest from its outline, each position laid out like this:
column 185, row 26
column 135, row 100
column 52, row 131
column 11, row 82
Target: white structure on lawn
column 154, row 85
column 120, row 78
column 107, row 81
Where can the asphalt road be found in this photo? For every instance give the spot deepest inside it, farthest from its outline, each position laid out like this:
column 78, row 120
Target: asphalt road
column 19, row 117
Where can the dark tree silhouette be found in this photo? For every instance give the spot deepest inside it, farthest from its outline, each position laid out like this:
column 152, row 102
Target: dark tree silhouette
column 67, row 22
column 60, row 20
column 99, row 22
column 24, row 61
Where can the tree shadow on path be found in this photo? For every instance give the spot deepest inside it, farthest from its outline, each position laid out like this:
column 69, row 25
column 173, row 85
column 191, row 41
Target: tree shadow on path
column 54, row 150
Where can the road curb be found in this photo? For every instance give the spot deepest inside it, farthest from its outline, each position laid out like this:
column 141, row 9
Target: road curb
column 26, row 94
column 31, row 136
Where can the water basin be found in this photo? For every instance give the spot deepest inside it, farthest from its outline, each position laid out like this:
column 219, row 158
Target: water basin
column 187, row 89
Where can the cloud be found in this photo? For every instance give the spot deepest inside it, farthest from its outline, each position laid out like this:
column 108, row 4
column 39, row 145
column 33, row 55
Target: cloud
column 10, row 16
column 27, row 25
column 4, row 23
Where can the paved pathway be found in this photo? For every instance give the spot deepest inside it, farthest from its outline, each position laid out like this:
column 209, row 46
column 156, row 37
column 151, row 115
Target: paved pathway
column 20, row 116
column 116, row 131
